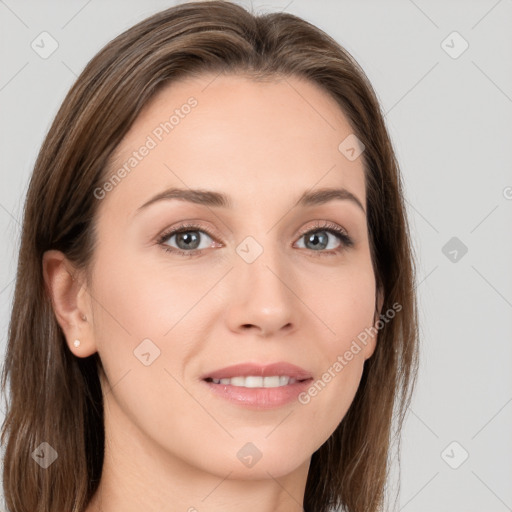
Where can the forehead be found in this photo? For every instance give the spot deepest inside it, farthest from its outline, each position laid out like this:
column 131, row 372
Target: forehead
column 255, row 141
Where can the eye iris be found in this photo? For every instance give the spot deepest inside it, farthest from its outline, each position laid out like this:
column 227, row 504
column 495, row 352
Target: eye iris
column 191, row 241
column 314, row 237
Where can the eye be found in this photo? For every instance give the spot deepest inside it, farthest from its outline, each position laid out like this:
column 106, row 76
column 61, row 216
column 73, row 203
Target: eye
column 321, row 238
column 187, row 238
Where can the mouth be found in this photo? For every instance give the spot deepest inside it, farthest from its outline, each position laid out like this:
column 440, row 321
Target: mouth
column 254, row 381
column 258, row 386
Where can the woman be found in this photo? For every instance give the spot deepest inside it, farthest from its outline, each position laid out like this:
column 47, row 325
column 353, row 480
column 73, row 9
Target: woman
column 214, row 306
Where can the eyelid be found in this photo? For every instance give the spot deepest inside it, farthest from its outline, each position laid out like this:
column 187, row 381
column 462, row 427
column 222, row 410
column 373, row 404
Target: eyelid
column 323, row 224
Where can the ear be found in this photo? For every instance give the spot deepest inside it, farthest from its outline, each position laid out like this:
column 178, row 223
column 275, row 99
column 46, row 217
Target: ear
column 70, row 302
column 372, row 343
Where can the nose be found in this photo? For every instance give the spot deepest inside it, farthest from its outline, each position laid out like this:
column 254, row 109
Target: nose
column 262, row 297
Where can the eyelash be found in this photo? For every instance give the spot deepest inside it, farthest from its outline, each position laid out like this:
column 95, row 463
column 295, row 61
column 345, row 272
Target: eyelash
column 345, row 239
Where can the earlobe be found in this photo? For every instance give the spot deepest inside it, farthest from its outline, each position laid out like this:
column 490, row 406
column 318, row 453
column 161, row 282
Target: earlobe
column 65, row 290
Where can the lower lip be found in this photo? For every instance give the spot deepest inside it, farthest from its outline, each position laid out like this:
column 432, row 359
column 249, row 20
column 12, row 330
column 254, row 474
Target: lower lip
column 259, row 398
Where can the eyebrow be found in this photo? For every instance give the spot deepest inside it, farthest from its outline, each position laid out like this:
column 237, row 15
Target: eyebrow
column 214, row 199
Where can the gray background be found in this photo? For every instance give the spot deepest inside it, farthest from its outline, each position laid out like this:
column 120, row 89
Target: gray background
column 451, row 124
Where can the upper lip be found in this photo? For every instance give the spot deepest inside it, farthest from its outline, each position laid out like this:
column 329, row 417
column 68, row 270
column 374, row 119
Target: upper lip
column 246, row 369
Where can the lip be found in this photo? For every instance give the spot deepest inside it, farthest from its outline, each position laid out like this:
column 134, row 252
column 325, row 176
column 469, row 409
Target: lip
column 246, row 369
column 259, row 398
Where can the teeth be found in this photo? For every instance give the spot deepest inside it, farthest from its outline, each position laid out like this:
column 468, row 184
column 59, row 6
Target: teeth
column 257, row 382
column 235, row 381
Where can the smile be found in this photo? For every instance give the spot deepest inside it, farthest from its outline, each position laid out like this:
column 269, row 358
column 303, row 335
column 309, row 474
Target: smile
column 253, row 381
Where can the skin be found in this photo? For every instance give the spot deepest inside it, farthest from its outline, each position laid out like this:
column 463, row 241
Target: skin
column 171, row 445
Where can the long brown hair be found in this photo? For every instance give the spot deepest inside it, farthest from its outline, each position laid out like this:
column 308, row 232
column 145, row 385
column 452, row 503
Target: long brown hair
column 56, row 397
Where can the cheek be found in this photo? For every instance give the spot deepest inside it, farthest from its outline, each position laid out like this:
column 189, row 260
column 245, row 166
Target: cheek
column 137, row 322
column 138, row 300
column 348, row 307
column 141, row 315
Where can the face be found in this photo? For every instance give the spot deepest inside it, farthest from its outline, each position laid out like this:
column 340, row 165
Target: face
column 264, row 278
